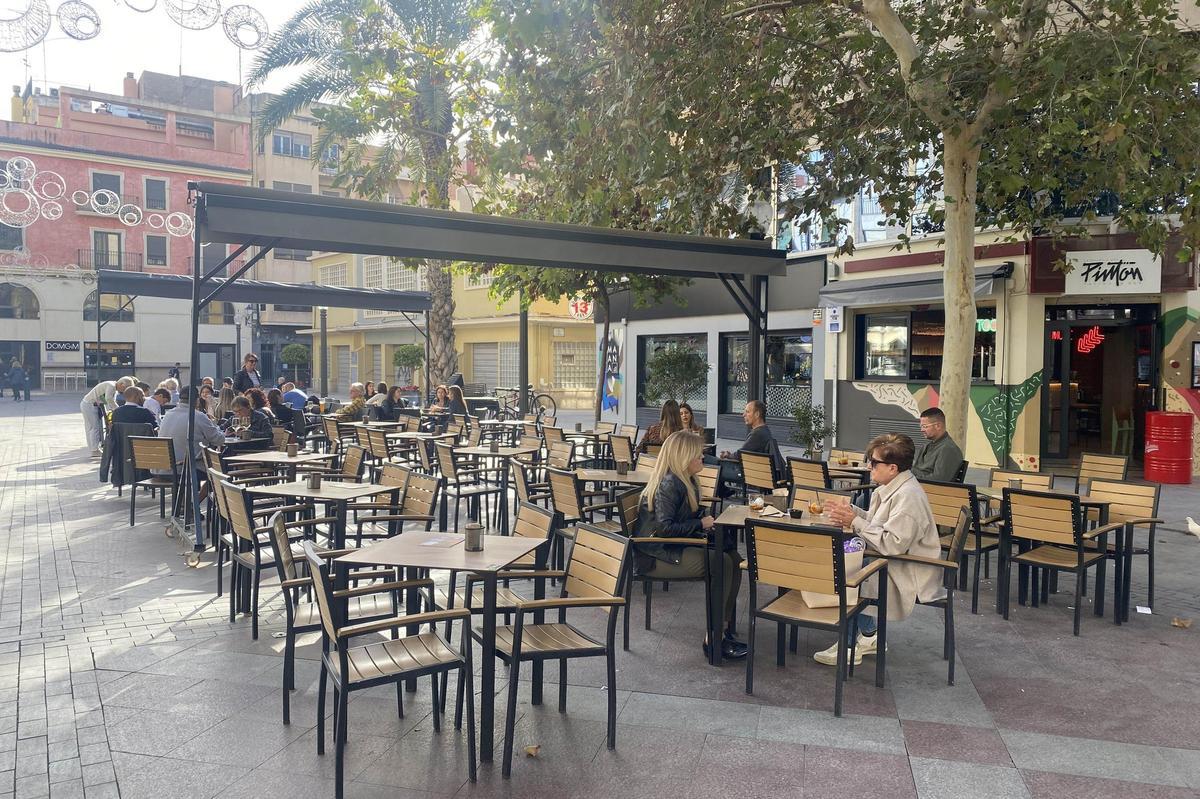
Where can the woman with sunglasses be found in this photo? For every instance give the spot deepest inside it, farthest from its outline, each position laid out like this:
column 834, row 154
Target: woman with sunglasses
column 898, row 522
column 248, row 377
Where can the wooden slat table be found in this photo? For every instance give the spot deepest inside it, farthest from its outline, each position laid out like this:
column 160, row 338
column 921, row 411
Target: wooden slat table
column 445, row 551
column 505, row 454
column 274, row 457
column 332, row 492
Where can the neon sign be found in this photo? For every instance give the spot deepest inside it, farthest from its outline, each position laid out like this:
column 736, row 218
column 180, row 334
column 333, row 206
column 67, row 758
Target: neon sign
column 1089, row 340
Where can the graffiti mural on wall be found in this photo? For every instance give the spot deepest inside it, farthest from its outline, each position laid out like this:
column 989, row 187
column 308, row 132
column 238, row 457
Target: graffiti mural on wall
column 1180, row 327
column 614, row 382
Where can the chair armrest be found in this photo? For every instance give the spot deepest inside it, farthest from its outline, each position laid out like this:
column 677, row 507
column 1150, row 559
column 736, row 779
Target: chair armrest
column 991, row 520
column 379, row 588
column 397, row 517
column 945, row 564
column 254, row 481
column 341, row 478
column 1146, row 520
column 680, row 541
column 571, row 602
column 857, row 578
column 1099, row 531
column 600, row 506
column 524, row 573
column 298, row 582
column 403, row 621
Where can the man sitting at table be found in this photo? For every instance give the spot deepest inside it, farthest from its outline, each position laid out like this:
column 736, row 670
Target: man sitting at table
column 132, row 411
column 244, row 413
column 294, row 396
column 941, row 457
column 353, row 412
column 174, row 425
column 899, row 522
column 760, row 440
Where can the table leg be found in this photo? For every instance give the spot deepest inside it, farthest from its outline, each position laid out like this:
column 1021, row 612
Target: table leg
column 339, row 526
column 412, row 606
column 1128, row 573
column 487, row 705
column 1100, row 571
column 502, row 511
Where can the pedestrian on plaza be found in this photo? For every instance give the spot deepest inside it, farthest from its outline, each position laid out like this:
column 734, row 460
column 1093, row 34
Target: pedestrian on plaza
column 899, row 521
column 98, row 402
column 174, row 371
column 668, row 423
column 941, row 458
column 248, row 377
column 16, row 379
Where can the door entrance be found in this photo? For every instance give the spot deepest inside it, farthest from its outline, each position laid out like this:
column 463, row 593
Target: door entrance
column 1101, row 367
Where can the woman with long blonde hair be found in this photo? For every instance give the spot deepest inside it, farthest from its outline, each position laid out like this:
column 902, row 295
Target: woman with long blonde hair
column 671, row 507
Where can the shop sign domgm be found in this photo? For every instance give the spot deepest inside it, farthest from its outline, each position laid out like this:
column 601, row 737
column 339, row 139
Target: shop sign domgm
column 1111, row 272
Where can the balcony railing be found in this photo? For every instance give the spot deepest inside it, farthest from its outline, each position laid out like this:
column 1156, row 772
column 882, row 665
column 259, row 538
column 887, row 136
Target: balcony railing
column 110, row 259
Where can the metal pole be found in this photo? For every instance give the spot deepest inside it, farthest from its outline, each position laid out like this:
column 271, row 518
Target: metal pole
column 523, row 355
column 193, row 382
column 757, row 353
column 324, row 352
column 428, row 388
column 99, row 329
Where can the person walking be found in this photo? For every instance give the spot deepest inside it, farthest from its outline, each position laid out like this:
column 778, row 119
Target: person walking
column 248, row 377
column 99, row 401
column 174, row 371
column 16, row 379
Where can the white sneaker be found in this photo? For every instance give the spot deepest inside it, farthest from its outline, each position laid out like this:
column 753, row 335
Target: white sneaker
column 828, row 657
column 866, row 645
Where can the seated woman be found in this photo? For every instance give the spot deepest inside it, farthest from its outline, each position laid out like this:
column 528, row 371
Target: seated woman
column 687, row 418
column 671, row 508
column 279, row 409
column 898, row 522
column 457, row 403
column 258, row 399
column 392, row 403
column 668, row 423
column 441, row 399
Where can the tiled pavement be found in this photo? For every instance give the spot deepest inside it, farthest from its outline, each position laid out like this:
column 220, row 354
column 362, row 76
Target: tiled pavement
column 121, row 676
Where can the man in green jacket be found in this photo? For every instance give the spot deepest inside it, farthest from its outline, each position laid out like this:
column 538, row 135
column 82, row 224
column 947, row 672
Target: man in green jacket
column 941, row 457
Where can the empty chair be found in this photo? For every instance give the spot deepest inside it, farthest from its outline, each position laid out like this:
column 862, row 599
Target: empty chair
column 945, row 500
column 1100, row 467
column 622, row 449
column 1135, row 505
column 153, row 454
column 758, row 472
column 463, row 482
column 809, row 473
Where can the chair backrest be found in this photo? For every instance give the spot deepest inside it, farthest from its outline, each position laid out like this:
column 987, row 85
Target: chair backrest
column 652, row 449
column 423, row 456
column 531, row 442
column 647, row 460
column 561, row 455
column 809, row 473
column 352, row 461
column 597, row 567
column 284, row 564
column 475, row 436
column 550, row 421
column 1093, row 466
column 551, row 434
column 707, row 480
column 803, row 497
column 1048, row 518
column 237, row 509
column 331, row 430
column 216, row 478
column 851, row 455
column 757, row 471
column 630, row 431
column 564, row 494
column 520, row 479
column 534, row 521
column 945, row 500
column 445, row 459
column 412, row 424
column 529, row 428
column 378, row 444
column 606, row 427
column 960, row 474
column 362, row 435
column 1038, row 481
column 456, row 429
column 394, row 475
column 421, row 495
column 281, row 436
column 212, row 458
column 962, row 526
column 460, row 419
column 1129, row 500
column 628, row 504
column 622, row 448
column 150, row 452
column 318, row 570
column 802, row 558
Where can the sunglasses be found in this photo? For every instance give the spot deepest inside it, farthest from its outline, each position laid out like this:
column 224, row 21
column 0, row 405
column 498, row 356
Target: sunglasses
column 872, row 463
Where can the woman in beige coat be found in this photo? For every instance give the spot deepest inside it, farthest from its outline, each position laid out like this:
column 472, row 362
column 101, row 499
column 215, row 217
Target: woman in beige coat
column 898, row 522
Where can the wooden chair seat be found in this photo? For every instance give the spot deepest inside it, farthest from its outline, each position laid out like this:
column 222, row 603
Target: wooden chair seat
column 156, row 481
column 791, row 607
column 609, row 525
column 357, row 607
column 549, row 640
column 985, row 544
column 1046, row 555
column 505, row 598
column 386, row 658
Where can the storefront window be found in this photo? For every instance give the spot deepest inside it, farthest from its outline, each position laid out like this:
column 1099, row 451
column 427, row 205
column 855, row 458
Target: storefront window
column 649, row 345
column 788, row 376
column 909, row 346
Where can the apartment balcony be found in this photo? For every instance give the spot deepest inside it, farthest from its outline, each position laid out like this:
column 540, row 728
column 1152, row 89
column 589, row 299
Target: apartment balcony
column 122, row 260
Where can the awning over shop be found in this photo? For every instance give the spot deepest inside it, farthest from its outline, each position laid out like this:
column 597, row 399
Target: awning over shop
column 906, row 290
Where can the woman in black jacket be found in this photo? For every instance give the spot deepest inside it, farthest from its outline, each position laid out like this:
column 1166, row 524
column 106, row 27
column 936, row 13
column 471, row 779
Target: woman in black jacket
column 671, row 508
column 392, row 403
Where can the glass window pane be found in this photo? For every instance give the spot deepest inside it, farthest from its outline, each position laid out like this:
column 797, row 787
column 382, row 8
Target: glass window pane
column 885, row 339
column 156, row 250
column 156, row 194
column 649, row 345
column 104, row 180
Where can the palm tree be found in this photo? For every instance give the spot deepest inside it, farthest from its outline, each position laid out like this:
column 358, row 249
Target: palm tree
column 386, row 79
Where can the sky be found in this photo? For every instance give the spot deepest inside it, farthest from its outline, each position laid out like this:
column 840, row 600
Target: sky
column 130, row 41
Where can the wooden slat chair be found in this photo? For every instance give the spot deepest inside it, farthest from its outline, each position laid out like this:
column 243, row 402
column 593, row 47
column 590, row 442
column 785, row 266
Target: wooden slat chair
column 570, row 500
column 530, row 428
column 802, row 497
column 622, row 450
column 949, row 565
column 758, row 473
column 594, row 578
column 381, row 662
column 366, row 512
column 418, row 502
column 845, row 479
column 474, row 436
column 281, row 437
column 354, row 461
column 630, row 431
column 960, row 474
column 369, row 604
column 809, row 558
column 945, row 499
column 1093, row 466
column 647, row 460
column 252, row 547
column 153, row 454
column 652, row 450
column 606, row 427
column 1134, row 505
column 549, row 421
column 1030, row 481
column 525, row 490
column 708, row 480
column 551, row 435
column 461, row 482
column 1054, row 525
column 809, row 473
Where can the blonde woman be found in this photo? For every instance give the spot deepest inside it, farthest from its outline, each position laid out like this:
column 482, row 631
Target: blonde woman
column 671, row 508
column 224, row 402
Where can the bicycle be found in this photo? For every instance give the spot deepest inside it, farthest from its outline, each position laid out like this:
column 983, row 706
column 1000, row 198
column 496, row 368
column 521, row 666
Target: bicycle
column 508, row 399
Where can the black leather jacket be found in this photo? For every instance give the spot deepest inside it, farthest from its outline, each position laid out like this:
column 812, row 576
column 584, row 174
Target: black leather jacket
column 672, row 517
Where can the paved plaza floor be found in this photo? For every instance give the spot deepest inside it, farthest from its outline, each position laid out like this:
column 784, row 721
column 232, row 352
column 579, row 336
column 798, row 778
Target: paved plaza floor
column 120, row 675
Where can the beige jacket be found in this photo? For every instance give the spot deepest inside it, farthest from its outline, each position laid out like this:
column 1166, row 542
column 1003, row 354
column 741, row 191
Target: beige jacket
column 899, row 522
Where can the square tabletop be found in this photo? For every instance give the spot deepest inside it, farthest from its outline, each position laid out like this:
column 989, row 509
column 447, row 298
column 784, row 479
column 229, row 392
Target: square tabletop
column 443, row 551
column 413, row 435
column 500, row 423
column 506, row 452
column 329, row 491
column 275, row 456
column 633, row 476
column 988, row 492
column 377, row 425
column 738, row 515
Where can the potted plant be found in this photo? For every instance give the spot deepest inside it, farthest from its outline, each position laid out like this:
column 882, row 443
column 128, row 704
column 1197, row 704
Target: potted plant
column 297, row 355
column 408, row 358
column 812, row 428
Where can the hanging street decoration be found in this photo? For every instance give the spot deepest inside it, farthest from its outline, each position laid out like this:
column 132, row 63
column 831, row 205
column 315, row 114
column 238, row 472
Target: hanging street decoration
column 245, row 26
column 78, row 20
column 196, row 15
column 27, row 28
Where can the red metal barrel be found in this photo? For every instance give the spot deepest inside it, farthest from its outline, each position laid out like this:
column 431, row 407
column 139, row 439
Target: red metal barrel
column 1169, row 447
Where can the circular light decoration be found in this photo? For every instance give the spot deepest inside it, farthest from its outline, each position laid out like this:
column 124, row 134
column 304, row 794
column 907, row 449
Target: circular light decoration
column 179, row 224
column 80, row 197
column 143, row 7
column 49, row 185
column 105, row 202
column 156, row 221
column 130, row 215
column 245, row 27
column 20, row 170
column 19, row 208
column 78, row 20
column 27, row 28
column 194, row 15
column 52, row 210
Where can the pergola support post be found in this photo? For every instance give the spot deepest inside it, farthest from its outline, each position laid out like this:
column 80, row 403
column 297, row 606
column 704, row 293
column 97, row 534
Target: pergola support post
column 193, row 482
column 753, row 303
column 324, row 352
column 523, row 356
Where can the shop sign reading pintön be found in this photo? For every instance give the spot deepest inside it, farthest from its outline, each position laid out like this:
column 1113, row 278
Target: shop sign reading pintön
column 1114, row 272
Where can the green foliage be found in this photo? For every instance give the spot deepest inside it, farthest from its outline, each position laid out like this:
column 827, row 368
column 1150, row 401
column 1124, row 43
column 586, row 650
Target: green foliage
column 675, row 373
column 408, row 356
column 295, row 354
column 812, row 428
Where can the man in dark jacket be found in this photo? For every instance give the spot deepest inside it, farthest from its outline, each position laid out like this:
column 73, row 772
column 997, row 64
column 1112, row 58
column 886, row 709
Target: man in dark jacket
column 16, row 379
column 132, row 411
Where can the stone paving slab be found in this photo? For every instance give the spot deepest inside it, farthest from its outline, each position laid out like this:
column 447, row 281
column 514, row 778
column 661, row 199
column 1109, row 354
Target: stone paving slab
column 121, row 675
